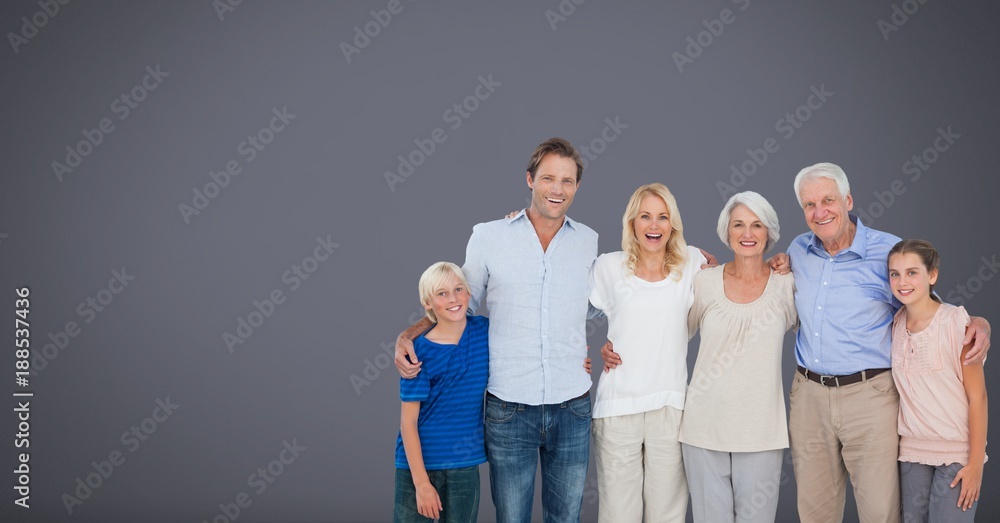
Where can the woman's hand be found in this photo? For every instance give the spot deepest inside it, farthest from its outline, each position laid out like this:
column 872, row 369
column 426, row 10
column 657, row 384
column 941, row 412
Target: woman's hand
column 712, row 262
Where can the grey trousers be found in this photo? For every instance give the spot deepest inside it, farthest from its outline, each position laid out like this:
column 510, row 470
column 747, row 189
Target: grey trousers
column 733, row 486
column 928, row 496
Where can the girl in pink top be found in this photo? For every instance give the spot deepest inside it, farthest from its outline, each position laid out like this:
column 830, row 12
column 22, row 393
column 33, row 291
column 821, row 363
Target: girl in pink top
column 942, row 403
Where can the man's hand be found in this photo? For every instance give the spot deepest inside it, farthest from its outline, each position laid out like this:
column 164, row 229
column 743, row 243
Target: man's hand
column 404, row 348
column 511, row 214
column 781, row 263
column 409, row 368
column 586, row 364
column 610, row 357
column 712, row 262
column 978, row 331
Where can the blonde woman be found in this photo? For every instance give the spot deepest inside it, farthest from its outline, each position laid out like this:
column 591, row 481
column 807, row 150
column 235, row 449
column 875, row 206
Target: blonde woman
column 646, row 290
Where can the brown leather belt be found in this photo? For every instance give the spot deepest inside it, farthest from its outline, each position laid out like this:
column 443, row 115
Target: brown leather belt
column 839, row 381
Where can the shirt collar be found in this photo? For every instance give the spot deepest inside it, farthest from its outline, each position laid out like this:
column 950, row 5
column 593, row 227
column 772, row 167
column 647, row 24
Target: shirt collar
column 858, row 246
column 523, row 214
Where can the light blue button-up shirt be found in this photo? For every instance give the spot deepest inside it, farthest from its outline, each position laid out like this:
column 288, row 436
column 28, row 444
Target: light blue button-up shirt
column 538, row 307
column 844, row 303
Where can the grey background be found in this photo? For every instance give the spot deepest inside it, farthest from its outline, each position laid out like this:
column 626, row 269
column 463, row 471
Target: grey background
column 323, row 176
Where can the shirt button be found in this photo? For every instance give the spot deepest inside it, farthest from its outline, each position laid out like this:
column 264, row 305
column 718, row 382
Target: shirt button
column 817, row 361
column 545, row 335
column 545, row 310
column 820, row 307
column 824, row 283
column 815, row 334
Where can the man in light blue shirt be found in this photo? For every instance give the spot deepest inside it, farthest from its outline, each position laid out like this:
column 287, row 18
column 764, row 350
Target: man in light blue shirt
column 533, row 269
column 844, row 404
column 538, row 304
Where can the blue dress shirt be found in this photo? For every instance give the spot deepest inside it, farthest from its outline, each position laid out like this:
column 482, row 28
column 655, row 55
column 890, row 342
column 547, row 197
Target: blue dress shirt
column 538, row 307
column 844, row 303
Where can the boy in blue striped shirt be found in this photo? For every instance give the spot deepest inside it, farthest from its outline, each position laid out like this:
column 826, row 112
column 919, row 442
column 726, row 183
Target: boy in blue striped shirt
column 440, row 443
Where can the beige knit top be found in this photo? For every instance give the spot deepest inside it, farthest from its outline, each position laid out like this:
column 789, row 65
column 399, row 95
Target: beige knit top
column 735, row 401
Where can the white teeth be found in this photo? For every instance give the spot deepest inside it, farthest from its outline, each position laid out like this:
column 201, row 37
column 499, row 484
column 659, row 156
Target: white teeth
column 453, row 309
column 748, row 244
column 556, row 200
column 654, row 236
column 825, row 222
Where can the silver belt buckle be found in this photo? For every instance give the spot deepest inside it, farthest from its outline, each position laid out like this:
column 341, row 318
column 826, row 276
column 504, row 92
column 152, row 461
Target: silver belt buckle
column 822, row 380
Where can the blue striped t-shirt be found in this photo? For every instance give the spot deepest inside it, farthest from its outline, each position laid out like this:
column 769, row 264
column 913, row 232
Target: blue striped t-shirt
column 450, row 388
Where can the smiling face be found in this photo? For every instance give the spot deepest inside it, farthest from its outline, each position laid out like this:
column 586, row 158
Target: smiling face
column 553, row 187
column 449, row 302
column 652, row 225
column 909, row 278
column 826, row 211
column 747, row 234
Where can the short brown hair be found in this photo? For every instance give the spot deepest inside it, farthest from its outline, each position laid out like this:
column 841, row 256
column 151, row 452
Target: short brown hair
column 559, row 146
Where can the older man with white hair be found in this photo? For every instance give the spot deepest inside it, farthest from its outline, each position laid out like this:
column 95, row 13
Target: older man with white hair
column 844, row 405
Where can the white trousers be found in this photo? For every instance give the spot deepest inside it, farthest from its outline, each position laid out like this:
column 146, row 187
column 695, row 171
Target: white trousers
column 640, row 471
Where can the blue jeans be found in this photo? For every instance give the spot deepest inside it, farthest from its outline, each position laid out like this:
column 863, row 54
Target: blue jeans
column 457, row 488
column 517, row 436
column 928, row 496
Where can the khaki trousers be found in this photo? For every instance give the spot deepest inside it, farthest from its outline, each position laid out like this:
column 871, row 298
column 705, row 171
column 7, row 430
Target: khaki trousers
column 841, row 431
column 640, row 471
